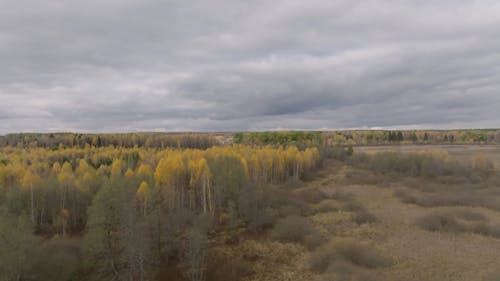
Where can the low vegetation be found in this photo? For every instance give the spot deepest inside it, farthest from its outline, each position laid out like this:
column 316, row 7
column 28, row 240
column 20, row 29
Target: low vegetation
column 342, row 252
column 459, row 222
column 292, row 229
column 363, row 216
column 492, row 276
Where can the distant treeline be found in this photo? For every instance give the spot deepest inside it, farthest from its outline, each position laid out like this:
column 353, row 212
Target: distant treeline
column 279, row 138
column 369, row 137
column 385, row 137
column 301, row 139
column 128, row 140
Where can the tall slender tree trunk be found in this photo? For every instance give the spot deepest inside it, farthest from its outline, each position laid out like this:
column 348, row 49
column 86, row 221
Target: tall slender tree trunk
column 63, row 199
column 211, row 197
column 32, row 204
column 204, row 196
column 64, row 228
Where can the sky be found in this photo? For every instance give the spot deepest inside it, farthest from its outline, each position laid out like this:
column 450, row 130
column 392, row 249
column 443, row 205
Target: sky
column 238, row 65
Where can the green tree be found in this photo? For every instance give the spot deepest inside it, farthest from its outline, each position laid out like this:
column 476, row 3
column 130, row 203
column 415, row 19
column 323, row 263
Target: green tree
column 18, row 248
column 413, row 137
column 101, row 241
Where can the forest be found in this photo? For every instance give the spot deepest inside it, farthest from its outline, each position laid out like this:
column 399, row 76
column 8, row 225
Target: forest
column 298, row 138
column 121, row 213
column 370, row 137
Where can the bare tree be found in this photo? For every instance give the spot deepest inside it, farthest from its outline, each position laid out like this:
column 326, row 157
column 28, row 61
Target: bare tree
column 194, row 255
column 137, row 254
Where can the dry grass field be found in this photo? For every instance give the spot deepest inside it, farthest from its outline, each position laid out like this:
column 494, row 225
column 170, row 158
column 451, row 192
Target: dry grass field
column 461, row 152
column 372, row 234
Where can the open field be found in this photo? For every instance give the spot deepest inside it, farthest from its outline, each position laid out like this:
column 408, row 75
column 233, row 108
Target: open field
column 460, row 152
column 398, row 230
column 419, row 254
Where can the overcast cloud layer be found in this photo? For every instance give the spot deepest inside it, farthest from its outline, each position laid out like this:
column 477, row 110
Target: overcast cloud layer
column 126, row 65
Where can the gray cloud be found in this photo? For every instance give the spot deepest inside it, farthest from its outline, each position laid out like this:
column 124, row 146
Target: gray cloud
column 130, row 65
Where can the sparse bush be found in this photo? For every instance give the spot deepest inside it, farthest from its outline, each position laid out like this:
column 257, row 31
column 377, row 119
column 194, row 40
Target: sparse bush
column 294, row 207
column 481, row 163
column 458, row 197
column 459, row 222
column 230, row 269
column 342, row 268
column 342, row 196
column 314, row 240
column 411, row 182
column 453, row 179
column 285, row 202
column 363, row 217
column 431, row 187
column 361, row 176
column 444, row 199
column 449, row 195
column 359, row 254
column 469, row 215
column 352, row 206
column 335, row 152
column 346, row 250
column 322, row 258
column 312, row 195
column 421, row 164
column 289, row 210
column 292, row 229
column 485, row 229
column 405, row 196
column 264, row 220
column 326, row 206
column 440, row 222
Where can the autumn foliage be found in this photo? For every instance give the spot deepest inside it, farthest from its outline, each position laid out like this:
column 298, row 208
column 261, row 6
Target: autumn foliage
column 134, row 206
column 56, row 187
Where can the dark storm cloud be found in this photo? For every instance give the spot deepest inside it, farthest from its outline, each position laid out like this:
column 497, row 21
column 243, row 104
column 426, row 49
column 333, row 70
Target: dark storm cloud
column 127, row 65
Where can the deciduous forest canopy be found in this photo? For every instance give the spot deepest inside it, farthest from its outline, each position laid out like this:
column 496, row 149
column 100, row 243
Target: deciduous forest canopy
column 129, row 209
